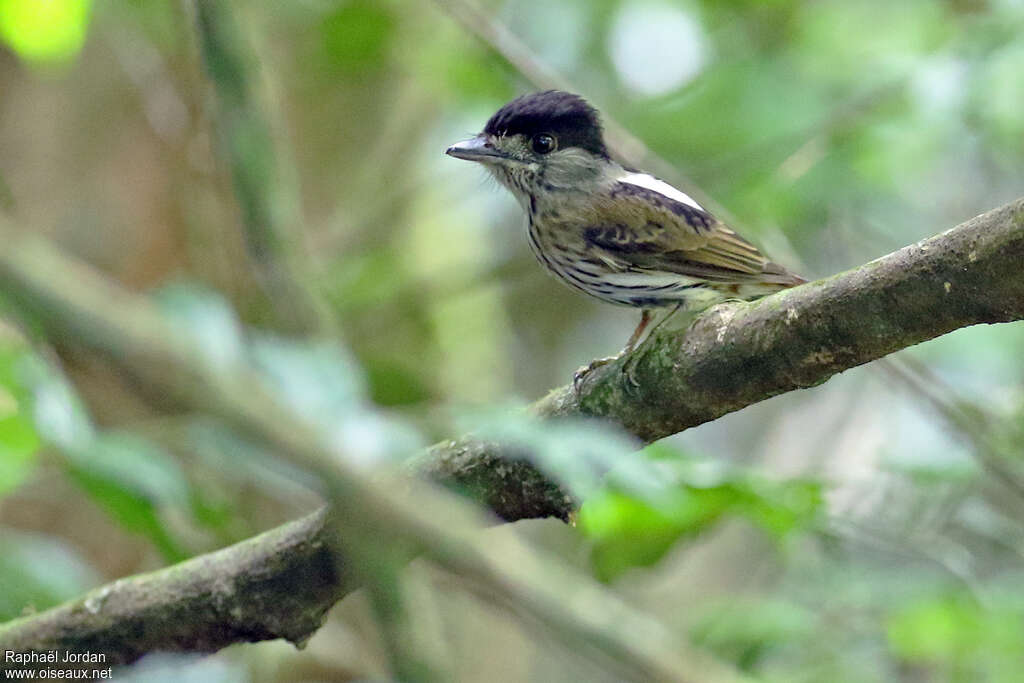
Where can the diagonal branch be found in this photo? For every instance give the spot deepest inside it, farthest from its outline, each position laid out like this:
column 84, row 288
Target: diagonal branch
column 735, row 355
column 71, row 301
column 279, row 584
column 740, row 353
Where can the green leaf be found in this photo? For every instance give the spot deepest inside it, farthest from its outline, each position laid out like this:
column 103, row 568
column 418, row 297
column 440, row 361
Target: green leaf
column 240, row 460
column 133, row 480
column 44, row 30
column 743, row 629
column 631, row 533
column 18, row 446
column 126, row 474
column 132, row 510
column 137, row 465
column 320, row 379
column 325, row 384
column 955, row 631
column 628, row 531
column 57, row 412
column 19, row 441
column 576, row 452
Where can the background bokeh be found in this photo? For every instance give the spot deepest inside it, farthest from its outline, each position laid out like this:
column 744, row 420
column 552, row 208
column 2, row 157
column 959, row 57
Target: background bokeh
column 828, row 132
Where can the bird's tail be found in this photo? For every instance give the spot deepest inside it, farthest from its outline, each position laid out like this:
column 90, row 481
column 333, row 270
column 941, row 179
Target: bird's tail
column 774, row 274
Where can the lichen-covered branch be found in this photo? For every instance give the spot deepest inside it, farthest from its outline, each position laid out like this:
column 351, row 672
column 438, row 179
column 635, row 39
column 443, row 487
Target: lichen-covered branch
column 734, row 355
column 279, row 584
column 740, row 353
column 501, row 478
column 69, row 300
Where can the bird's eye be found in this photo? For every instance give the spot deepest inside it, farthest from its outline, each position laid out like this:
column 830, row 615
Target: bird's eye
column 543, row 143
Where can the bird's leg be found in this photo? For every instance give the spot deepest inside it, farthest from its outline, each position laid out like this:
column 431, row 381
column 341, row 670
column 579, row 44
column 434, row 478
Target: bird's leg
column 645, row 319
column 630, row 365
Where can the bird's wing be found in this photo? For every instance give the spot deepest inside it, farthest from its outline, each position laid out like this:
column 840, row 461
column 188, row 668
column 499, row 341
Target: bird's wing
column 642, row 223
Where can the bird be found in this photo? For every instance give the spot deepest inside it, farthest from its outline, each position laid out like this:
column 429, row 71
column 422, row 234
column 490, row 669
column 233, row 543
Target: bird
column 613, row 232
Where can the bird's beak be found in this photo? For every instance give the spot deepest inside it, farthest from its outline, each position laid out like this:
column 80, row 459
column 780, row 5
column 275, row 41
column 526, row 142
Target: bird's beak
column 475, row 149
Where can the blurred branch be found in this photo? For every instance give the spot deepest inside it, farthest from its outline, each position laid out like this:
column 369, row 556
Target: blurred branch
column 269, row 209
column 73, row 302
column 733, row 356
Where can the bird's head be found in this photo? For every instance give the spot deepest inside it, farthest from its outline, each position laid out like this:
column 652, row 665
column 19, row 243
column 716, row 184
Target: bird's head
column 544, row 141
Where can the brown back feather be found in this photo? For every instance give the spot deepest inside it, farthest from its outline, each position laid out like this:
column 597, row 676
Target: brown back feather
column 639, row 229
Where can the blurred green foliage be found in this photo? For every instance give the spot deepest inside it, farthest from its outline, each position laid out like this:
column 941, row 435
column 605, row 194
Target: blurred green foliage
column 630, row 530
column 44, row 31
column 19, row 441
column 356, row 37
column 749, row 631
column 959, row 639
column 875, row 542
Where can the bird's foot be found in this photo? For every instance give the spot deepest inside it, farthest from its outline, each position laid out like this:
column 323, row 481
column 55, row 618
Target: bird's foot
column 629, row 371
column 584, row 370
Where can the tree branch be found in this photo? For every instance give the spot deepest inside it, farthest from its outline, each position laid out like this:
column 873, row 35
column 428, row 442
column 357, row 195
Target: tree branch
column 72, row 301
column 734, row 355
column 740, row 353
column 279, row 584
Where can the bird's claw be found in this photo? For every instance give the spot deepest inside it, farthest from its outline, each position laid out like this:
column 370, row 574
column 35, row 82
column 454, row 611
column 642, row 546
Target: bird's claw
column 629, row 370
column 584, row 370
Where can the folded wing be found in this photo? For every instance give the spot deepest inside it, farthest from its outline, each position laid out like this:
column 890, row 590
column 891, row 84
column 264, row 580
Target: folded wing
column 642, row 223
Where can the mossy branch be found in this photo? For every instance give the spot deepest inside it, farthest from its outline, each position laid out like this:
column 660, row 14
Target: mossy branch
column 72, row 302
column 279, row 584
column 740, row 353
column 733, row 356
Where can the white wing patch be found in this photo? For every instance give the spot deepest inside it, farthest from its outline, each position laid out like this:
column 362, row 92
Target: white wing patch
column 660, row 186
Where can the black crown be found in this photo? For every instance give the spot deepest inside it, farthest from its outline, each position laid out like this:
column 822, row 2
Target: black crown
column 568, row 117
